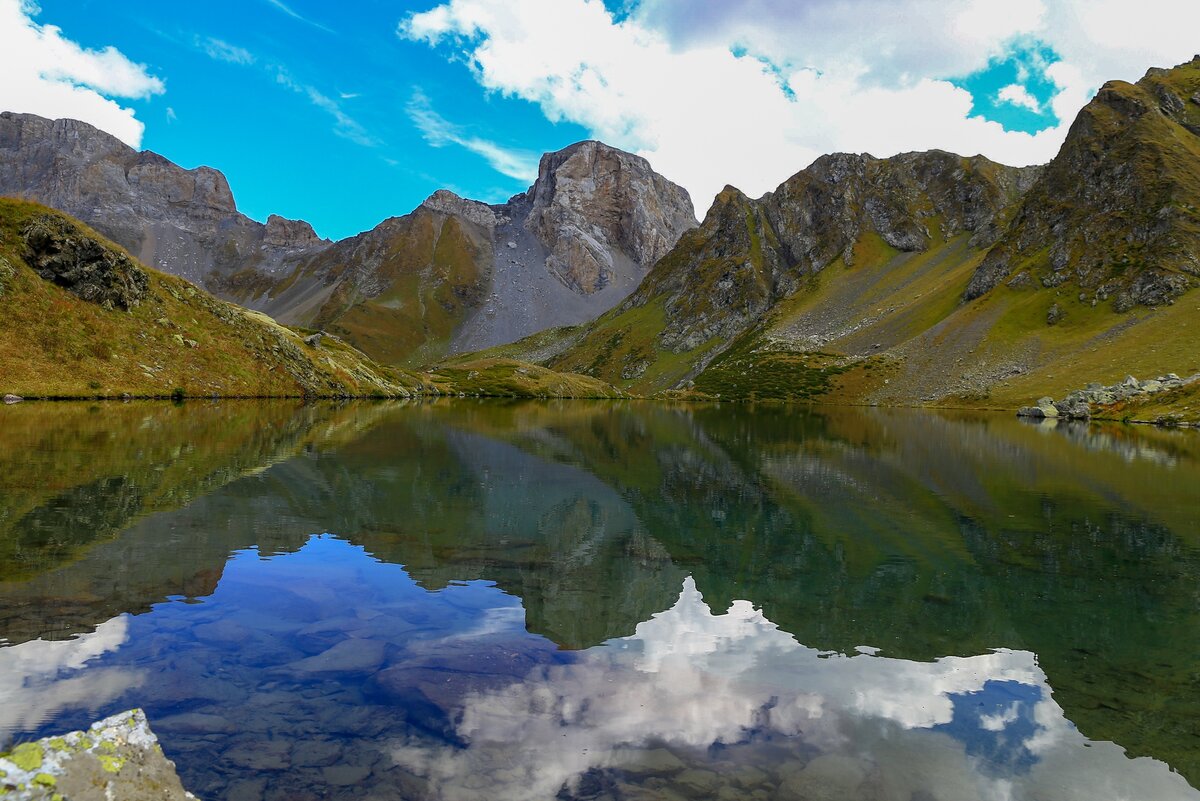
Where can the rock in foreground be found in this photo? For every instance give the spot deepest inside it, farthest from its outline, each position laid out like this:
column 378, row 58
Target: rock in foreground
column 117, row 758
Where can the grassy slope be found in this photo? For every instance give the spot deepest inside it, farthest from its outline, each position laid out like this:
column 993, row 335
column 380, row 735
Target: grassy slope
column 500, row 377
column 55, row 344
column 433, row 269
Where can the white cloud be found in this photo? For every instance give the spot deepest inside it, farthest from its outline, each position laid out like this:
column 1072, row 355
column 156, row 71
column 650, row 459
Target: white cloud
column 688, row 680
column 47, row 74
column 1018, row 95
column 439, row 132
column 223, row 51
column 747, row 93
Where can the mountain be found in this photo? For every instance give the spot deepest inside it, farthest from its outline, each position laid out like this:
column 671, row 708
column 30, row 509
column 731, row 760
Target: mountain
column 84, row 319
column 930, row 277
column 453, row 275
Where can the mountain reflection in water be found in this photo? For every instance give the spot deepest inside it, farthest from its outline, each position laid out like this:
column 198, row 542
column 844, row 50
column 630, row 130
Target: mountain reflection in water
column 623, row 601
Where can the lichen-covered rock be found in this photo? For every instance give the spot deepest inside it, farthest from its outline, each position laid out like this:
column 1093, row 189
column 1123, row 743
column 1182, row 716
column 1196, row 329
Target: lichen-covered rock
column 117, row 758
column 83, row 266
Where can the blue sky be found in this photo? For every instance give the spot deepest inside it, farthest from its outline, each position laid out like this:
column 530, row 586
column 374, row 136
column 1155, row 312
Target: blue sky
column 282, row 151
column 346, row 114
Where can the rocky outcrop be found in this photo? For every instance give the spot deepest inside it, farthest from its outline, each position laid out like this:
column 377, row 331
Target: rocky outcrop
column 1078, row 405
column 1114, row 212
column 57, row 252
column 446, row 202
column 289, row 234
column 600, row 211
column 118, row 757
column 749, row 254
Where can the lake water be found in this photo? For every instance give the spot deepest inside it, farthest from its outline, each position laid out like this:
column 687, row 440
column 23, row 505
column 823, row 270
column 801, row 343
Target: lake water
column 476, row 600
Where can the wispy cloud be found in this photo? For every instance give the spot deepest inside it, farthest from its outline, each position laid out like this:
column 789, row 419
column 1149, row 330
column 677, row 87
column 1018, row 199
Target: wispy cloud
column 345, row 126
column 439, row 132
column 286, row 9
column 221, row 50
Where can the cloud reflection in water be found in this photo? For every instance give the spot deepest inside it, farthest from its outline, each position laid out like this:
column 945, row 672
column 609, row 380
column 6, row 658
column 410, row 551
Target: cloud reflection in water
column 736, row 692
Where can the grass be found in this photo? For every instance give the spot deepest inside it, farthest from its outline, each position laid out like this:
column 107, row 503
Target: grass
column 434, row 272
column 496, row 377
column 53, row 344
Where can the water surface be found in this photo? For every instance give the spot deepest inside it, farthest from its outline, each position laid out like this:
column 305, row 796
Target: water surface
column 584, row 600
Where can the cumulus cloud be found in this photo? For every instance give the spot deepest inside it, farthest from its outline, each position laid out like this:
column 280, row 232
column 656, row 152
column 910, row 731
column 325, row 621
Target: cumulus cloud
column 439, row 132
column 747, row 93
column 688, row 680
column 46, row 73
column 1018, row 95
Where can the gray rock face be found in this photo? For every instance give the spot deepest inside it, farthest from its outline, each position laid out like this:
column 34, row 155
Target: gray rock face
column 450, row 204
column 181, row 221
column 603, row 214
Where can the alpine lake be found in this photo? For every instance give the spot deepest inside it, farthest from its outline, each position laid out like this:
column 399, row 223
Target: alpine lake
column 608, row 600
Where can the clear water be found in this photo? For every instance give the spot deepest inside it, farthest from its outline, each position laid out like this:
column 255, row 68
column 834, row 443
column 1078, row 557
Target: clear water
column 621, row 601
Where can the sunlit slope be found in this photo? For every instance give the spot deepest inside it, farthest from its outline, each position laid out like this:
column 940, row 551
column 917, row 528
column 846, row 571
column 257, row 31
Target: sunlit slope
column 90, row 321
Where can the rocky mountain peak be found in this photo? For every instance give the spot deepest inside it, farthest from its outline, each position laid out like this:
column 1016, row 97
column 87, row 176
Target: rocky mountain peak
column 284, row 233
column 444, row 201
column 600, row 211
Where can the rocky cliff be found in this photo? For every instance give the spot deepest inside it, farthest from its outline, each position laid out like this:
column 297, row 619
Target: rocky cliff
column 453, row 275
column 604, row 215
column 181, row 221
column 749, row 255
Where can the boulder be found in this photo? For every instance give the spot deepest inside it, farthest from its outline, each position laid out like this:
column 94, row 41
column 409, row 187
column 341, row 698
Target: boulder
column 11, row 399
column 1073, row 409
